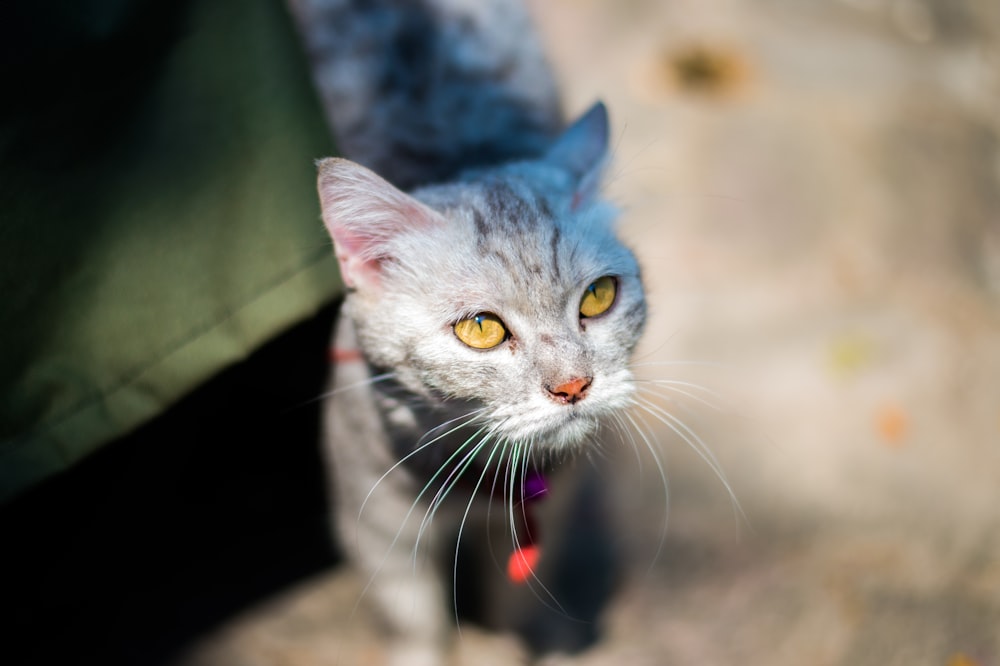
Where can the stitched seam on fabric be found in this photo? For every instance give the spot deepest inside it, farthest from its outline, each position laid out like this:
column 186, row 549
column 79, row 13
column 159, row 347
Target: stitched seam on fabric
column 194, row 333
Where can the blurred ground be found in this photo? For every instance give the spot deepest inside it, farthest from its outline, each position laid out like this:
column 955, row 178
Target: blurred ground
column 814, row 190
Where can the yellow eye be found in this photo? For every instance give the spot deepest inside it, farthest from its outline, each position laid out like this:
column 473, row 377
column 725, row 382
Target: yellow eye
column 484, row 331
column 598, row 297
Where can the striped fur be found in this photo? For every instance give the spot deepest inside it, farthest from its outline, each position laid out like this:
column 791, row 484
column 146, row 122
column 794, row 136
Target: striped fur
column 418, row 90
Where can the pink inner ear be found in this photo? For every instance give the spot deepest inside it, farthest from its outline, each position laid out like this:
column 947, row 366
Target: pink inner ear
column 362, row 242
column 355, row 268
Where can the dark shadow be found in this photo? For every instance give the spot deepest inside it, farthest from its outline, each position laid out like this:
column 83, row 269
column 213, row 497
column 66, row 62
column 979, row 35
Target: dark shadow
column 163, row 534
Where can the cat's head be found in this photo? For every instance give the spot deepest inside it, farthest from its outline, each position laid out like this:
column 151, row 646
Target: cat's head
column 508, row 288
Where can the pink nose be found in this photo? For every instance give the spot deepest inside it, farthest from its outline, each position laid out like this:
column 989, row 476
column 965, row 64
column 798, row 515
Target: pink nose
column 572, row 391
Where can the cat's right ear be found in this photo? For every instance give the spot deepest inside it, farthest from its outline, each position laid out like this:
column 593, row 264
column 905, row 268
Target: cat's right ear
column 363, row 213
column 582, row 151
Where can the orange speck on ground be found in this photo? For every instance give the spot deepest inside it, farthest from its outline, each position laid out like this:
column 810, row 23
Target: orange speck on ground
column 960, row 659
column 891, row 424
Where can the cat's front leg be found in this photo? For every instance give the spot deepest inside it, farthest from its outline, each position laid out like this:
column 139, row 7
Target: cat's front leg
column 378, row 518
column 398, row 565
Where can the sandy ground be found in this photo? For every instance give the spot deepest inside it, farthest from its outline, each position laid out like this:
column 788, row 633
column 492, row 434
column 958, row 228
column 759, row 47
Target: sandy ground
column 813, row 188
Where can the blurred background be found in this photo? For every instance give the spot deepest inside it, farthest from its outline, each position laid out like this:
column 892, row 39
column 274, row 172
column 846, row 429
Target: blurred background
column 813, row 188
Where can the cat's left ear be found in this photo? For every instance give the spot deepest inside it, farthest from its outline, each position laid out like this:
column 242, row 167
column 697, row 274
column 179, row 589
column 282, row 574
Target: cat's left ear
column 582, row 150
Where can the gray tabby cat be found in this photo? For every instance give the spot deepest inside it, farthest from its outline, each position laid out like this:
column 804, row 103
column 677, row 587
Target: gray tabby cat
column 491, row 310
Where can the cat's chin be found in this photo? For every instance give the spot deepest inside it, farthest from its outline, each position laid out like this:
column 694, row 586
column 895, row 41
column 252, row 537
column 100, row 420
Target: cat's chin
column 555, row 434
column 570, row 434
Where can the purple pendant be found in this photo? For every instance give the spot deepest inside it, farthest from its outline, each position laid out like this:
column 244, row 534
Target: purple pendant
column 535, row 486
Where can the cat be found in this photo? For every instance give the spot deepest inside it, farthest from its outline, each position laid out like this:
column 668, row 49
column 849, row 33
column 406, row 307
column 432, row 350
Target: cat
column 491, row 309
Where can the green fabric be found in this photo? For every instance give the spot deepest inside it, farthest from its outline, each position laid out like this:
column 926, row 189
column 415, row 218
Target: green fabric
column 159, row 214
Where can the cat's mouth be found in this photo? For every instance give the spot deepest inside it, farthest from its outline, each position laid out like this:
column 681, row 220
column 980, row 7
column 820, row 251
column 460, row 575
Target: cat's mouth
column 549, row 424
column 572, row 431
column 553, row 431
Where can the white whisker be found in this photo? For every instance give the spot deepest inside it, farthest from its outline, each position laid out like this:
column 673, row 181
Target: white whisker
column 356, row 385
column 469, row 418
column 461, row 525
column 624, row 434
column 692, row 439
column 498, row 484
column 687, row 389
column 644, row 434
column 455, row 474
column 519, row 468
column 676, row 363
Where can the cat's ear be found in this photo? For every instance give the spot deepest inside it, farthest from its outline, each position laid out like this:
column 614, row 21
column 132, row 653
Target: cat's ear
column 582, row 151
column 363, row 212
